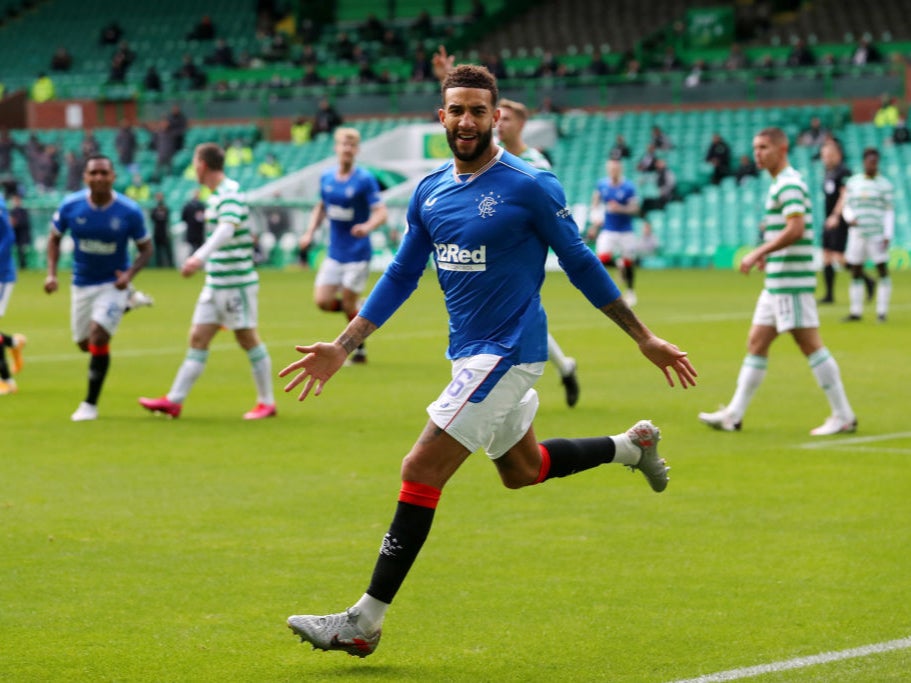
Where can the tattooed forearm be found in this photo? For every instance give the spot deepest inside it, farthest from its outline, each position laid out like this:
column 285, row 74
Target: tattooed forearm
column 625, row 319
column 355, row 334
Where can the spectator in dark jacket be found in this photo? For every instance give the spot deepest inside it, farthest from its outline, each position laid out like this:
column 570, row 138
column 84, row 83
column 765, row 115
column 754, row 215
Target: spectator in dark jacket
column 204, row 30
column 327, row 119
column 193, row 215
column 125, row 144
column 719, row 156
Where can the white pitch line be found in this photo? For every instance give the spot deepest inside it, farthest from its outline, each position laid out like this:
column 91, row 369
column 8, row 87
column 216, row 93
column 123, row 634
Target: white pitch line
column 802, row 662
column 837, row 443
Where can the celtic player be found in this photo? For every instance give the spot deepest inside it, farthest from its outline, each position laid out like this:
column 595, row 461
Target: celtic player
column 787, row 302
column 871, row 224
column 229, row 297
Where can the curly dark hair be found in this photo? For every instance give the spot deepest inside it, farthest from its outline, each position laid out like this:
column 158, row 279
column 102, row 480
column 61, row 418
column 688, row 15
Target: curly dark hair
column 471, row 76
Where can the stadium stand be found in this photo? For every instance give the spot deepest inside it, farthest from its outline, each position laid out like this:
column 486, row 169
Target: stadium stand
column 706, row 226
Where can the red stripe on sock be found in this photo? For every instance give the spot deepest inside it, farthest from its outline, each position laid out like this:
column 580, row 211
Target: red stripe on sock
column 545, row 464
column 419, row 494
column 99, row 350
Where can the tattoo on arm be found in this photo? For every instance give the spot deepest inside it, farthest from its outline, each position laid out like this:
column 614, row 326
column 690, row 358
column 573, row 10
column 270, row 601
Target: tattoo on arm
column 625, row 319
column 355, row 334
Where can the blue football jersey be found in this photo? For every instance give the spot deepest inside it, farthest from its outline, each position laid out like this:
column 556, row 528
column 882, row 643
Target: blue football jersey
column 7, row 242
column 488, row 236
column 347, row 203
column 622, row 193
column 100, row 236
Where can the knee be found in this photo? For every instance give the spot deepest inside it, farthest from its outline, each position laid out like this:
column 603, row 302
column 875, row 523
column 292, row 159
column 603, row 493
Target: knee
column 412, row 469
column 513, row 482
column 198, row 340
column 518, row 477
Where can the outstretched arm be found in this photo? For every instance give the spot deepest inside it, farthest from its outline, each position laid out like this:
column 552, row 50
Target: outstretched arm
column 322, row 360
column 660, row 352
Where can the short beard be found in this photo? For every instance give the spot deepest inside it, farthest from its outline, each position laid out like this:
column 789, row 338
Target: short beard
column 483, row 143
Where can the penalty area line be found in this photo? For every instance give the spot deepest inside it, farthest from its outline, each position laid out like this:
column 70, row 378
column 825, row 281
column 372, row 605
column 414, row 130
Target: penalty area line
column 801, row 662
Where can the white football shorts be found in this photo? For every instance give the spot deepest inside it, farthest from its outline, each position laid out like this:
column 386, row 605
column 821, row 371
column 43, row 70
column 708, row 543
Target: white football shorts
column 236, row 308
column 617, row 244
column 102, row 304
column 6, row 293
column 489, row 403
column 352, row 276
column 861, row 248
column 786, row 312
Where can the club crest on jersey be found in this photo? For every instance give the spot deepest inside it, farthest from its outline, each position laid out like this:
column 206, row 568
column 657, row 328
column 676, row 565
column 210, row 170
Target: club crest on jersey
column 115, row 224
column 487, row 204
column 453, row 257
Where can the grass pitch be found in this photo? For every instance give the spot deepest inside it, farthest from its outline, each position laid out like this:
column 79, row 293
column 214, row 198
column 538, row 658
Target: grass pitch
column 138, row 548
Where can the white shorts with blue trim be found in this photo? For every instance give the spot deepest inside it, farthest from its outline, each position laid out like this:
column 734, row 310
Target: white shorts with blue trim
column 618, row 244
column 101, row 304
column 351, row 276
column 489, row 403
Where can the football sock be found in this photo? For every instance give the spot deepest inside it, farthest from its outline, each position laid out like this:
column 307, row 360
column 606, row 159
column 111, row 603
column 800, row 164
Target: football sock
column 5, row 340
column 99, row 363
column 563, row 457
column 856, row 294
column 402, row 543
column 883, row 294
column 828, row 273
column 190, row 370
column 629, row 272
column 828, row 376
column 752, row 372
column 261, row 363
column 371, row 612
column 555, row 355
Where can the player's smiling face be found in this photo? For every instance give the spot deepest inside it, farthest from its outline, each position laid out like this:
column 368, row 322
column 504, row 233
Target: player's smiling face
column 469, row 115
column 99, row 176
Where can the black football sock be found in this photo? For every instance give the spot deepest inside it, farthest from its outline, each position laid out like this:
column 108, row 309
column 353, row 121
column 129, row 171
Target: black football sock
column 402, row 543
column 828, row 273
column 563, row 457
column 98, row 370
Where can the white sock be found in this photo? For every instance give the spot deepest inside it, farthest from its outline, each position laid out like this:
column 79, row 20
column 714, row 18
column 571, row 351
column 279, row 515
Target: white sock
column 828, row 376
column 555, row 356
column 625, row 452
column 371, row 613
column 262, row 374
column 752, row 372
column 857, row 291
column 883, row 293
column 190, row 370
